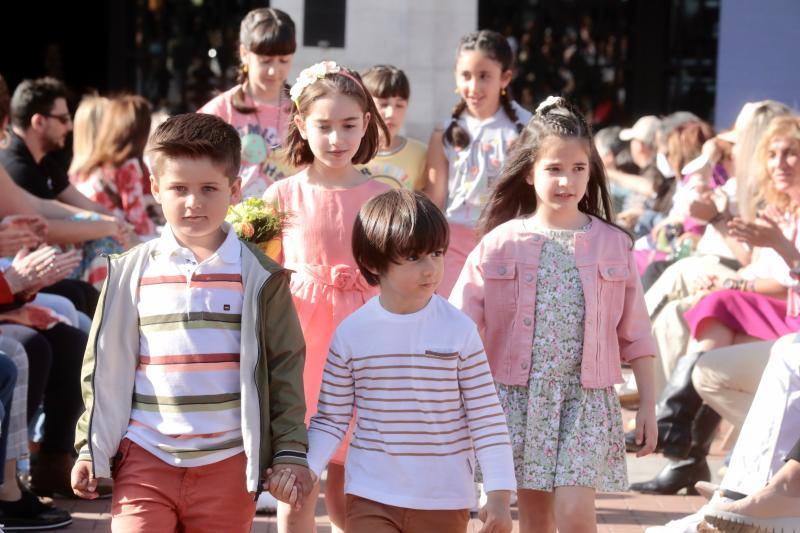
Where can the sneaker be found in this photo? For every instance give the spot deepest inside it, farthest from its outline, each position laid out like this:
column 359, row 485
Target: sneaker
column 29, row 514
column 266, row 503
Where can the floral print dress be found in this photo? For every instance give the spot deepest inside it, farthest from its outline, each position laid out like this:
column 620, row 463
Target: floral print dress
column 562, row 434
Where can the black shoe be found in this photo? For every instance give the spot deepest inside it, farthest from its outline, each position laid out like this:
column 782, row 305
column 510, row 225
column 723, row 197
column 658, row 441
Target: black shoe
column 676, row 409
column 29, row 514
column 675, row 476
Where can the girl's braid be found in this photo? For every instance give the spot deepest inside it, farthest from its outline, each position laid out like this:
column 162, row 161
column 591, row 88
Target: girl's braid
column 455, row 134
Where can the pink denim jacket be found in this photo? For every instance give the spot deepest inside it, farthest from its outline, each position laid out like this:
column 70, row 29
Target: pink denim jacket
column 497, row 289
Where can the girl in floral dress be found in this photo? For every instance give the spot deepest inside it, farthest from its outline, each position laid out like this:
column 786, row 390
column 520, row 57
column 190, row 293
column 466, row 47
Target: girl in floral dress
column 334, row 125
column 259, row 106
column 554, row 288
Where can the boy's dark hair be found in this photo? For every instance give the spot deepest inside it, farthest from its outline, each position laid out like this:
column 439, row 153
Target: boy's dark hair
column 196, row 135
column 513, row 196
column 386, row 81
column 265, row 31
column 35, row 96
column 494, row 46
column 398, row 223
column 298, row 151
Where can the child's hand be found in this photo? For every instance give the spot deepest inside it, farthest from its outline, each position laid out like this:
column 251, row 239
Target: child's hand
column 292, row 476
column 496, row 514
column 281, row 484
column 646, row 430
column 84, row 484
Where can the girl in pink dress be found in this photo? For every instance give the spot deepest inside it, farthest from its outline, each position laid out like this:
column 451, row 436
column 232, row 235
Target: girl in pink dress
column 334, row 125
column 259, row 107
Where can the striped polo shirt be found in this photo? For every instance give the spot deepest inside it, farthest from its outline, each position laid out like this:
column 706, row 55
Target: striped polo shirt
column 186, row 398
column 425, row 404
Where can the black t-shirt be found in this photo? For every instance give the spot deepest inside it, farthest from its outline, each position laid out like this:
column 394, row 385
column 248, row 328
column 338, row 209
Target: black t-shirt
column 45, row 180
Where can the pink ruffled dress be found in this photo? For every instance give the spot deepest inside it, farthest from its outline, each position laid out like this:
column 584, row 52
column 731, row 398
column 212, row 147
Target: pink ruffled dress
column 326, row 284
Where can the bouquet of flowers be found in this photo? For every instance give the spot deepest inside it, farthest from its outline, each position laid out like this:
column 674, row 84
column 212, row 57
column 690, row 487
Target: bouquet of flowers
column 256, row 221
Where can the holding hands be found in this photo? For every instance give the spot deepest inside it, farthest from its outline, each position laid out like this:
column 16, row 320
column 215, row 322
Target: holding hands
column 290, row 483
column 496, row 514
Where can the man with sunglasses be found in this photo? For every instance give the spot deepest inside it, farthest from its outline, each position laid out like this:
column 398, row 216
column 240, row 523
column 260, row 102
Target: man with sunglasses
column 40, row 124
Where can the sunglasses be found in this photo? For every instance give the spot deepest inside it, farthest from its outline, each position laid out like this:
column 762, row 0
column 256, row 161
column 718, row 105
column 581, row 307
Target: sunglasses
column 64, row 118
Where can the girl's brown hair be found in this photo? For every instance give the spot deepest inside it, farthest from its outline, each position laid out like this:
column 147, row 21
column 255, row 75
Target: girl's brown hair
column 787, row 127
column 299, row 153
column 264, row 31
column 122, row 134
column 513, row 196
column 494, row 46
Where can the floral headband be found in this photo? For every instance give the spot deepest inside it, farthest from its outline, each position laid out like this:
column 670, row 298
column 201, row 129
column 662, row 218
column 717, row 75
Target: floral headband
column 310, row 75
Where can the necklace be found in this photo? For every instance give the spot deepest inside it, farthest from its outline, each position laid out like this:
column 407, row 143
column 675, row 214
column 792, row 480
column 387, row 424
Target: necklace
column 254, row 146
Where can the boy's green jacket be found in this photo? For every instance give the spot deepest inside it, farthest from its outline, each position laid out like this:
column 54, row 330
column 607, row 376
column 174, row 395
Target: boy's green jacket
column 271, row 366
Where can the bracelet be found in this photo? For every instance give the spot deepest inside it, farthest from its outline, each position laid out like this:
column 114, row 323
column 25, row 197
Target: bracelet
column 737, row 284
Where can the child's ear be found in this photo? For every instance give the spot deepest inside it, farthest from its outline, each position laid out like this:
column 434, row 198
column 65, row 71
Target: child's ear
column 301, row 126
column 505, row 78
column 529, row 178
column 367, row 117
column 236, row 191
column 154, row 188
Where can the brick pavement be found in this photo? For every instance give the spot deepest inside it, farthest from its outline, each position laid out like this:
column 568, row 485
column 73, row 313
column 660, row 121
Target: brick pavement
column 616, row 513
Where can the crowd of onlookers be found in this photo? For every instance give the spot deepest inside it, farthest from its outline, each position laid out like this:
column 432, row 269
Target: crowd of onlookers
column 715, row 218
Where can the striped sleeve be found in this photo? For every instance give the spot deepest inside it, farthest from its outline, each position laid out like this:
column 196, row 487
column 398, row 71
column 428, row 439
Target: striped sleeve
column 485, row 418
column 334, row 410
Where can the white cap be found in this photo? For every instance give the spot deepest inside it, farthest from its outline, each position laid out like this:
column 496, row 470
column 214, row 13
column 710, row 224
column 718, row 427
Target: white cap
column 644, row 130
column 742, row 119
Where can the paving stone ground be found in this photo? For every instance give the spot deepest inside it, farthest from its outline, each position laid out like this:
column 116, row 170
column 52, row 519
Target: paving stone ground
column 617, row 513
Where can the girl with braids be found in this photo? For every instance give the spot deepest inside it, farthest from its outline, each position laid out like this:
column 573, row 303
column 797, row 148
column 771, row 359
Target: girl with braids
column 466, row 154
column 554, row 289
column 259, row 106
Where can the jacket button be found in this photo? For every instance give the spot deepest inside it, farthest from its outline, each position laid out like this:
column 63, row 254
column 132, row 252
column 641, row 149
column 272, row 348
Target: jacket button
column 528, row 277
column 524, row 365
column 526, row 321
column 502, row 271
column 537, row 238
column 612, row 271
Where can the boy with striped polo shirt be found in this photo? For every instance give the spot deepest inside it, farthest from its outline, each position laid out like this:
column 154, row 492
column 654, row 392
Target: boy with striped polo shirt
column 193, row 373
column 414, row 368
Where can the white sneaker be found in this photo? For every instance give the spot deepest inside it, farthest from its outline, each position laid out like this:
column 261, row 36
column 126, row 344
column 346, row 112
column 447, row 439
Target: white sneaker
column 266, row 503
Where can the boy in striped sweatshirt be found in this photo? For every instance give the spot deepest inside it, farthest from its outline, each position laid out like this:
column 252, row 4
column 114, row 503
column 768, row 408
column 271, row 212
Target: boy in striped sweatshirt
column 192, row 376
column 414, row 368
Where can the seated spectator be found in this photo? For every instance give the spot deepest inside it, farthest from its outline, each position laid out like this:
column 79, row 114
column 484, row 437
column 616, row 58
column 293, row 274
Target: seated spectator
column 737, row 311
column 18, row 201
column 40, row 123
column 84, row 133
column 113, row 174
column 718, row 254
column 643, row 148
column 767, row 437
column 19, row 507
column 55, row 351
column 617, row 157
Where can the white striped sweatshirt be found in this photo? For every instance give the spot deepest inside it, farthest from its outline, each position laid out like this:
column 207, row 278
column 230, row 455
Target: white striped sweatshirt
column 425, row 405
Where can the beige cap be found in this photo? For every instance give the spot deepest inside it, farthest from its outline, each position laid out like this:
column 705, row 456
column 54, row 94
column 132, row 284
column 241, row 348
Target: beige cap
column 644, row 130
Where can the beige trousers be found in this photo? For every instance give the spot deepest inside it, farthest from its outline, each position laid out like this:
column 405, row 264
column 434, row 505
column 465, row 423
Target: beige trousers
column 668, row 299
column 727, row 378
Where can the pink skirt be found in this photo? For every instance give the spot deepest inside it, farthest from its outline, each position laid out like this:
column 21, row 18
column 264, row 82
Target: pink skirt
column 750, row 313
column 463, row 240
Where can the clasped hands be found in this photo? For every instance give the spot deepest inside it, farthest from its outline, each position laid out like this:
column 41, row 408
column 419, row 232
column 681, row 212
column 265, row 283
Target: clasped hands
column 290, row 483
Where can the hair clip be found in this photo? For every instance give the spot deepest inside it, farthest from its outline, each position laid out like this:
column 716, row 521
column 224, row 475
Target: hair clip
column 548, row 103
